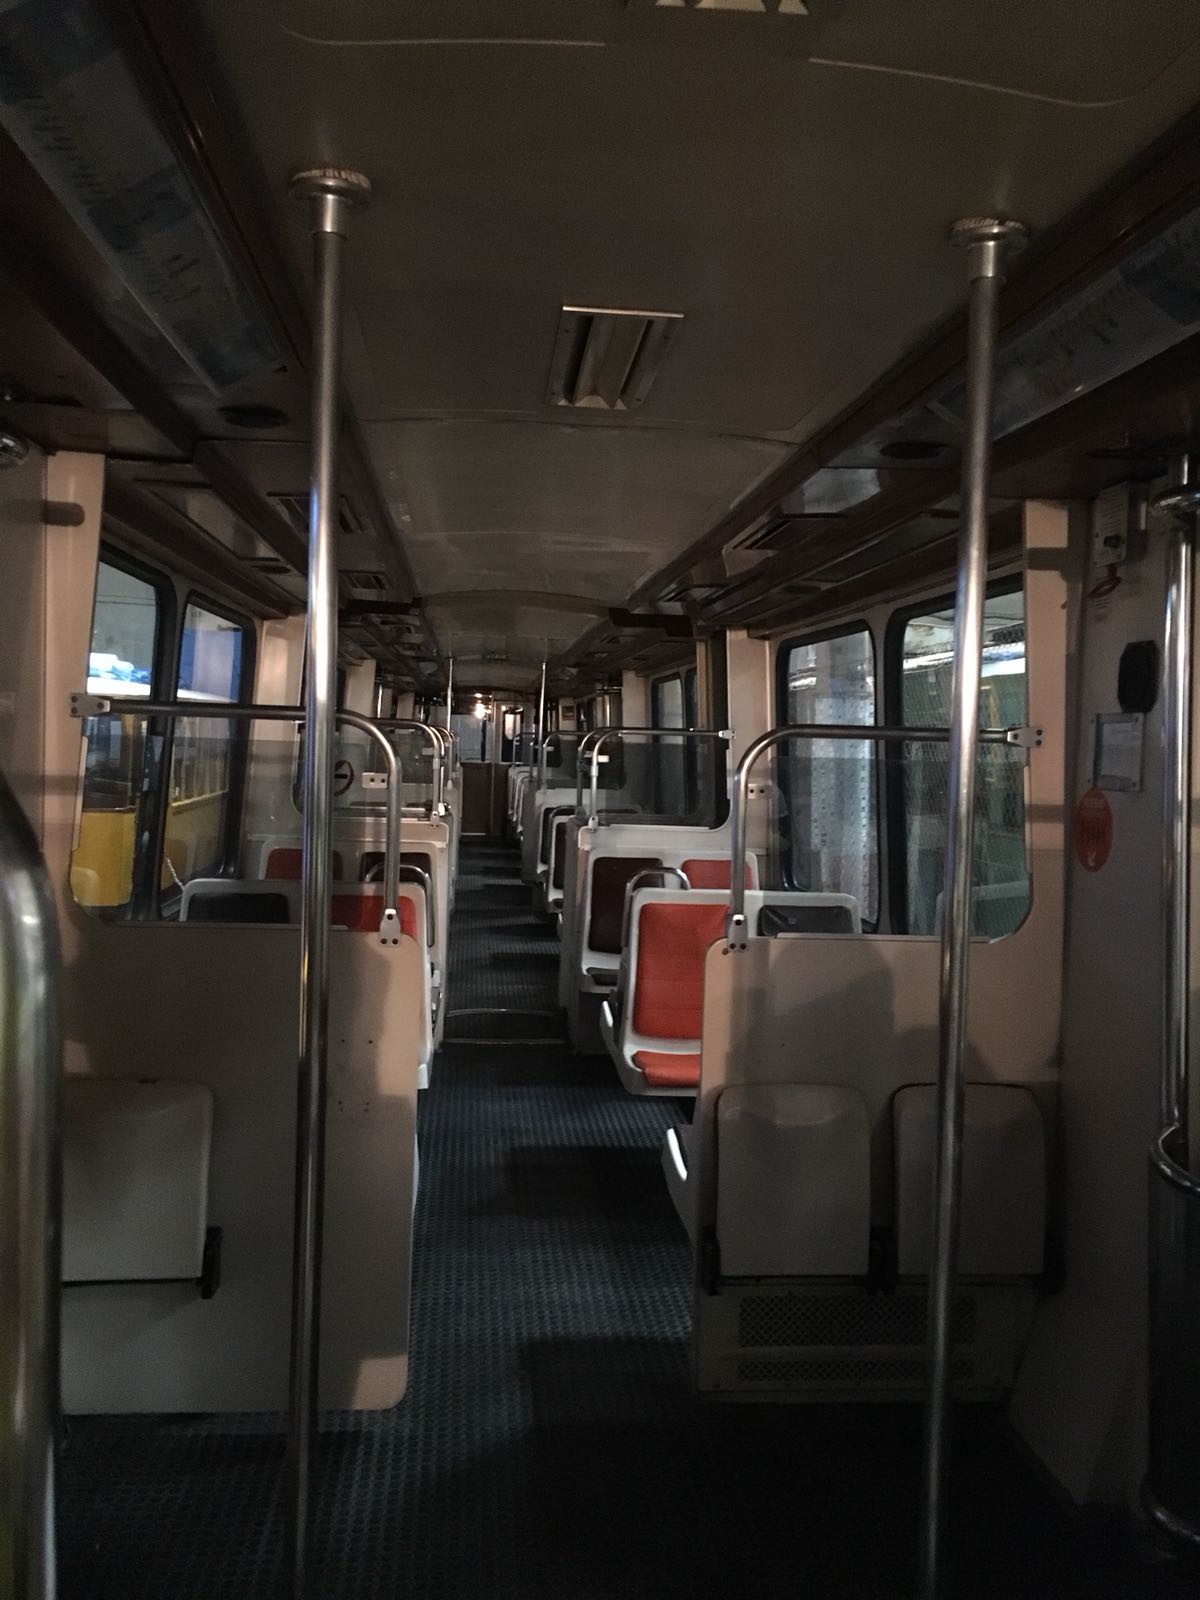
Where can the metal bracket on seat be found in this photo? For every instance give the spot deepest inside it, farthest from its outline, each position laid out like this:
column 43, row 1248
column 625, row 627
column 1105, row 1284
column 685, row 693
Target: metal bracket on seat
column 1024, row 738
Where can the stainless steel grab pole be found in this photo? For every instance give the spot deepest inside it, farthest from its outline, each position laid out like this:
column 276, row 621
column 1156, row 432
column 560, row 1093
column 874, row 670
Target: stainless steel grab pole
column 30, row 1210
column 1181, row 500
column 331, row 194
column 585, row 745
column 449, row 690
column 541, row 715
column 986, row 241
column 1171, row 1489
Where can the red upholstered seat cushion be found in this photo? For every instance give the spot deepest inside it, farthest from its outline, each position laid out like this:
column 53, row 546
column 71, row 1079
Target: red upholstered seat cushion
column 361, row 913
column 716, row 873
column 673, row 940
column 285, row 861
column 668, row 1072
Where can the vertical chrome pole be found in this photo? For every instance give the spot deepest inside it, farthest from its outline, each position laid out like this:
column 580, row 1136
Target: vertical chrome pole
column 1180, row 500
column 1171, row 1490
column 30, row 1209
column 541, row 717
column 985, row 240
column 449, row 692
column 332, row 194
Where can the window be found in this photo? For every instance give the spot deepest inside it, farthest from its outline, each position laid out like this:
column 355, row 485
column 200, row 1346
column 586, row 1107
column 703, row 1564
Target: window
column 922, row 668
column 672, row 762
column 213, row 659
column 666, row 702
column 830, row 831
column 691, row 698
column 127, row 631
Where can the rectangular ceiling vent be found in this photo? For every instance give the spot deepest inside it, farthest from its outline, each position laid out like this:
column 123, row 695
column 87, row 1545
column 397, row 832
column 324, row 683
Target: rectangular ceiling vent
column 608, row 360
column 295, row 509
column 366, row 582
column 269, row 566
column 783, row 8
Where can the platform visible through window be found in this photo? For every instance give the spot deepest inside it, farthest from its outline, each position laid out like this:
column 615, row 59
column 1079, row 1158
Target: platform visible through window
column 829, row 830
column 211, row 664
column 126, row 623
column 1000, row 897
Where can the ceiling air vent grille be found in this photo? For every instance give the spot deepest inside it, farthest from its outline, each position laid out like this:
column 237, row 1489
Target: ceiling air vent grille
column 269, row 566
column 609, row 359
column 368, row 582
column 295, row 509
column 785, row 8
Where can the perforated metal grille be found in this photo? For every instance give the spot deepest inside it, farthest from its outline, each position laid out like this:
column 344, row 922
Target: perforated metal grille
column 806, row 1319
column 898, row 1369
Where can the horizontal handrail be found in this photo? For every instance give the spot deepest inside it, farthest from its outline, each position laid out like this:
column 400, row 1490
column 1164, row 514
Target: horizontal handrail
column 30, row 1208
column 1021, row 737
column 593, row 821
column 95, row 705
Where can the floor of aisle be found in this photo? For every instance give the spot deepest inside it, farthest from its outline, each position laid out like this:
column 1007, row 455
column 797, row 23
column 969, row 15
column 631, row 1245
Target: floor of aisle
column 550, row 1444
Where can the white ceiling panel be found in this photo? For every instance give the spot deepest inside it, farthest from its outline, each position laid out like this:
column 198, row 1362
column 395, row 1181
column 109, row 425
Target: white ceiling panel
column 576, row 509
column 785, row 183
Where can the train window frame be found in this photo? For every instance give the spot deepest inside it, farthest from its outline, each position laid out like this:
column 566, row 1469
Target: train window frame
column 168, row 897
column 142, row 903
column 894, row 755
column 688, row 678
column 656, row 687
column 842, row 630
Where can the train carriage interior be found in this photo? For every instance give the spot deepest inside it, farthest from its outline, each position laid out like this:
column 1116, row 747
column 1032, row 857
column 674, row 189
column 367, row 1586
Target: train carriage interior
column 599, row 1006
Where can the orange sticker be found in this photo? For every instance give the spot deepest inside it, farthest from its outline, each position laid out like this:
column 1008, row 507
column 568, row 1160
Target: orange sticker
column 1093, row 830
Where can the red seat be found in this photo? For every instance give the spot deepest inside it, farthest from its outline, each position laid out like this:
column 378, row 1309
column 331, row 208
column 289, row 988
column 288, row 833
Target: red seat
column 285, row 861
column 668, row 1072
column 673, row 940
column 713, row 872
column 361, row 913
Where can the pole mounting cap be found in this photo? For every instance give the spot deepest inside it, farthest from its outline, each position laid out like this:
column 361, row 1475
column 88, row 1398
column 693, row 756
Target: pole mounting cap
column 989, row 230
column 342, row 183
